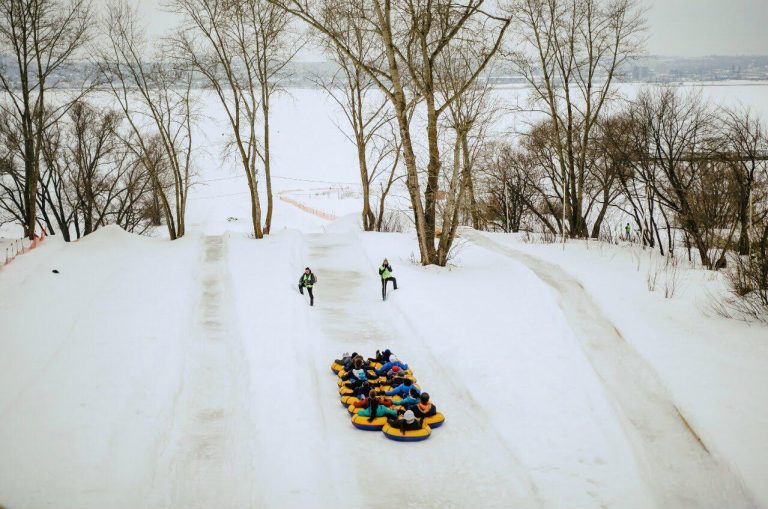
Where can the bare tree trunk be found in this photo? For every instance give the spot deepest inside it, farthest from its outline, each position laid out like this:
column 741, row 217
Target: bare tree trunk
column 267, row 166
column 414, row 38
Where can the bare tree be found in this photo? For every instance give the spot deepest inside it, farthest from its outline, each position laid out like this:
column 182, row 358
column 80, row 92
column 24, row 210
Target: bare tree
column 365, row 111
column 218, row 41
column 676, row 140
column 469, row 117
column 156, row 101
column 504, row 189
column 624, row 140
column 410, row 38
column 744, row 148
column 386, row 168
column 538, row 163
column 89, row 178
column 42, row 37
column 570, row 52
column 275, row 47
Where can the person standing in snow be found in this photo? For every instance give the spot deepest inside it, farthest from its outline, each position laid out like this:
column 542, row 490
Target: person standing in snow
column 628, row 231
column 385, row 271
column 307, row 280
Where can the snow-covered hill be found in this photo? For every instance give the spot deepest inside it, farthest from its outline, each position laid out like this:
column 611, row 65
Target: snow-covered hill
column 192, row 374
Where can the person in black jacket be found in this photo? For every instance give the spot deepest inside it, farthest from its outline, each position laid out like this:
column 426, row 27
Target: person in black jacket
column 382, row 357
column 385, row 272
column 424, row 408
column 307, row 280
column 406, row 422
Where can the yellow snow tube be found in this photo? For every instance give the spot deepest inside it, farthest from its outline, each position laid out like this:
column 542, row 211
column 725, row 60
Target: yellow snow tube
column 435, row 421
column 336, row 367
column 399, row 435
column 348, row 400
column 362, row 422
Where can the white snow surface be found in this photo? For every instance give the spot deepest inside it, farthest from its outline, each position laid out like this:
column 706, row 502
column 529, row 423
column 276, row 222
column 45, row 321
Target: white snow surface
column 192, row 374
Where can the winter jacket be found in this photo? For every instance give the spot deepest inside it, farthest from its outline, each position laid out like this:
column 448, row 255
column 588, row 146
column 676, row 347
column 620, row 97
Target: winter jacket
column 408, row 400
column 351, row 365
column 385, row 271
column 427, row 410
column 307, row 280
column 389, row 365
column 381, row 411
column 400, row 389
column 404, row 425
column 363, row 403
column 381, row 357
column 355, row 374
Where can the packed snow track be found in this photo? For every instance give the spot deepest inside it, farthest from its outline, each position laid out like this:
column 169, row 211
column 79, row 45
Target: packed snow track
column 192, row 374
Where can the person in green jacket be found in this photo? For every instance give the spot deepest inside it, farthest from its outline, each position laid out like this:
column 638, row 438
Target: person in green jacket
column 385, row 271
column 307, row 280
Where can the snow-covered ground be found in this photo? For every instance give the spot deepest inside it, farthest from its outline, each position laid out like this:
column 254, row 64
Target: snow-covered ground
column 192, row 374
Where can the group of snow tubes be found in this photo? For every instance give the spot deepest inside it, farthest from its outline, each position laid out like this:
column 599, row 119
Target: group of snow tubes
column 381, row 394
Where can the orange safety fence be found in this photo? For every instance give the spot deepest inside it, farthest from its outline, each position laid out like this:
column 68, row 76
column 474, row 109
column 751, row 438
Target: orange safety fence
column 20, row 246
column 315, row 212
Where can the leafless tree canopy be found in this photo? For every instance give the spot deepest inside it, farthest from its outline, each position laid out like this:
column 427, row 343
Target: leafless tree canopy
column 239, row 48
column 411, row 41
column 570, row 53
column 41, row 37
column 157, row 104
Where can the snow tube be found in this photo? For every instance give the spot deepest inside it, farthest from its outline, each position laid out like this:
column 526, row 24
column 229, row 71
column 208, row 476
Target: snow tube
column 399, row 435
column 335, row 367
column 348, row 400
column 361, row 422
column 435, row 421
column 373, row 381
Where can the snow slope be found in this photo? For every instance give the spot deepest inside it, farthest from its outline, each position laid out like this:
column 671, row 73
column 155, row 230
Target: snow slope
column 713, row 368
column 203, row 380
column 192, row 374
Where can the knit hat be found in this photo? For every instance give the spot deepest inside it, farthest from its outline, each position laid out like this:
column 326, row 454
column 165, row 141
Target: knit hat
column 424, row 397
column 409, row 416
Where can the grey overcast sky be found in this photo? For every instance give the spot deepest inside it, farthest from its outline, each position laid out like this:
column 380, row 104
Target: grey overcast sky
column 676, row 27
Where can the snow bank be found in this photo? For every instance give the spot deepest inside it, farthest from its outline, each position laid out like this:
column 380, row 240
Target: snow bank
column 714, row 368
